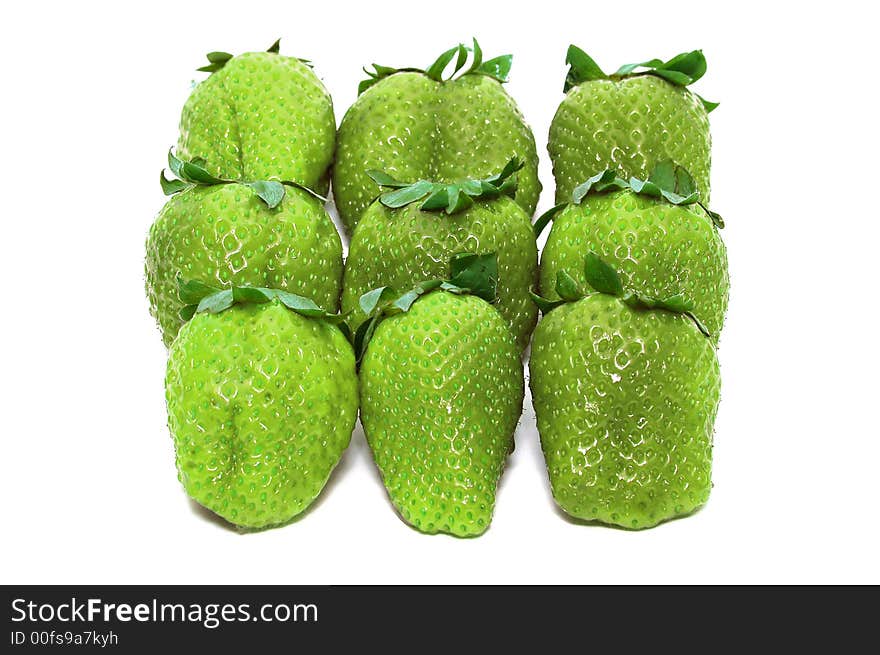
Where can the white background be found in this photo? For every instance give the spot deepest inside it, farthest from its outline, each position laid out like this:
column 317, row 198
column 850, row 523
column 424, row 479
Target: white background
column 91, row 98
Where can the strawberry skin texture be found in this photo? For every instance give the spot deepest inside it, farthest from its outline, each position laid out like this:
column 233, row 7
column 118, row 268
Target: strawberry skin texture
column 441, row 394
column 630, row 125
column 412, row 128
column 403, row 247
column 261, row 405
column 660, row 249
column 262, row 116
column 625, row 402
column 224, row 235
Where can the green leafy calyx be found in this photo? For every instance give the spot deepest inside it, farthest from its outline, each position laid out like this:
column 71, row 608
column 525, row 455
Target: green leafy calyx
column 668, row 182
column 497, row 68
column 199, row 297
column 469, row 274
column 193, row 173
column 452, row 197
column 682, row 70
column 603, row 278
column 217, row 60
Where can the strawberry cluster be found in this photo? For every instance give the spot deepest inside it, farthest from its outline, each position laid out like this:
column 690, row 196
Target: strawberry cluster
column 276, row 345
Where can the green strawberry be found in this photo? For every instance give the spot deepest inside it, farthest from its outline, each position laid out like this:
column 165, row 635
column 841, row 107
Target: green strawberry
column 631, row 120
column 260, row 116
column 417, row 124
column 410, row 233
column 659, row 236
column 261, row 391
column 441, row 394
column 257, row 233
column 625, row 389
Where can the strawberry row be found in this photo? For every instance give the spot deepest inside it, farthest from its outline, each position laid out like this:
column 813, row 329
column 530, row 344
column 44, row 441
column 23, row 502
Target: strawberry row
column 435, row 179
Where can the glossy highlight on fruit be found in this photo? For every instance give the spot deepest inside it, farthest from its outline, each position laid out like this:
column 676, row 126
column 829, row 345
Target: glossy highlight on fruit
column 261, row 405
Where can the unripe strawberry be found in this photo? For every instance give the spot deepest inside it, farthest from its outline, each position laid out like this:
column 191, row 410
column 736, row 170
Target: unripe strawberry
column 262, row 400
column 625, row 389
column 657, row 233
column 630, row 121
column 410, row 233
column 239, row 233
column 418, row 124
column 260, row 116
column 441, row 394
